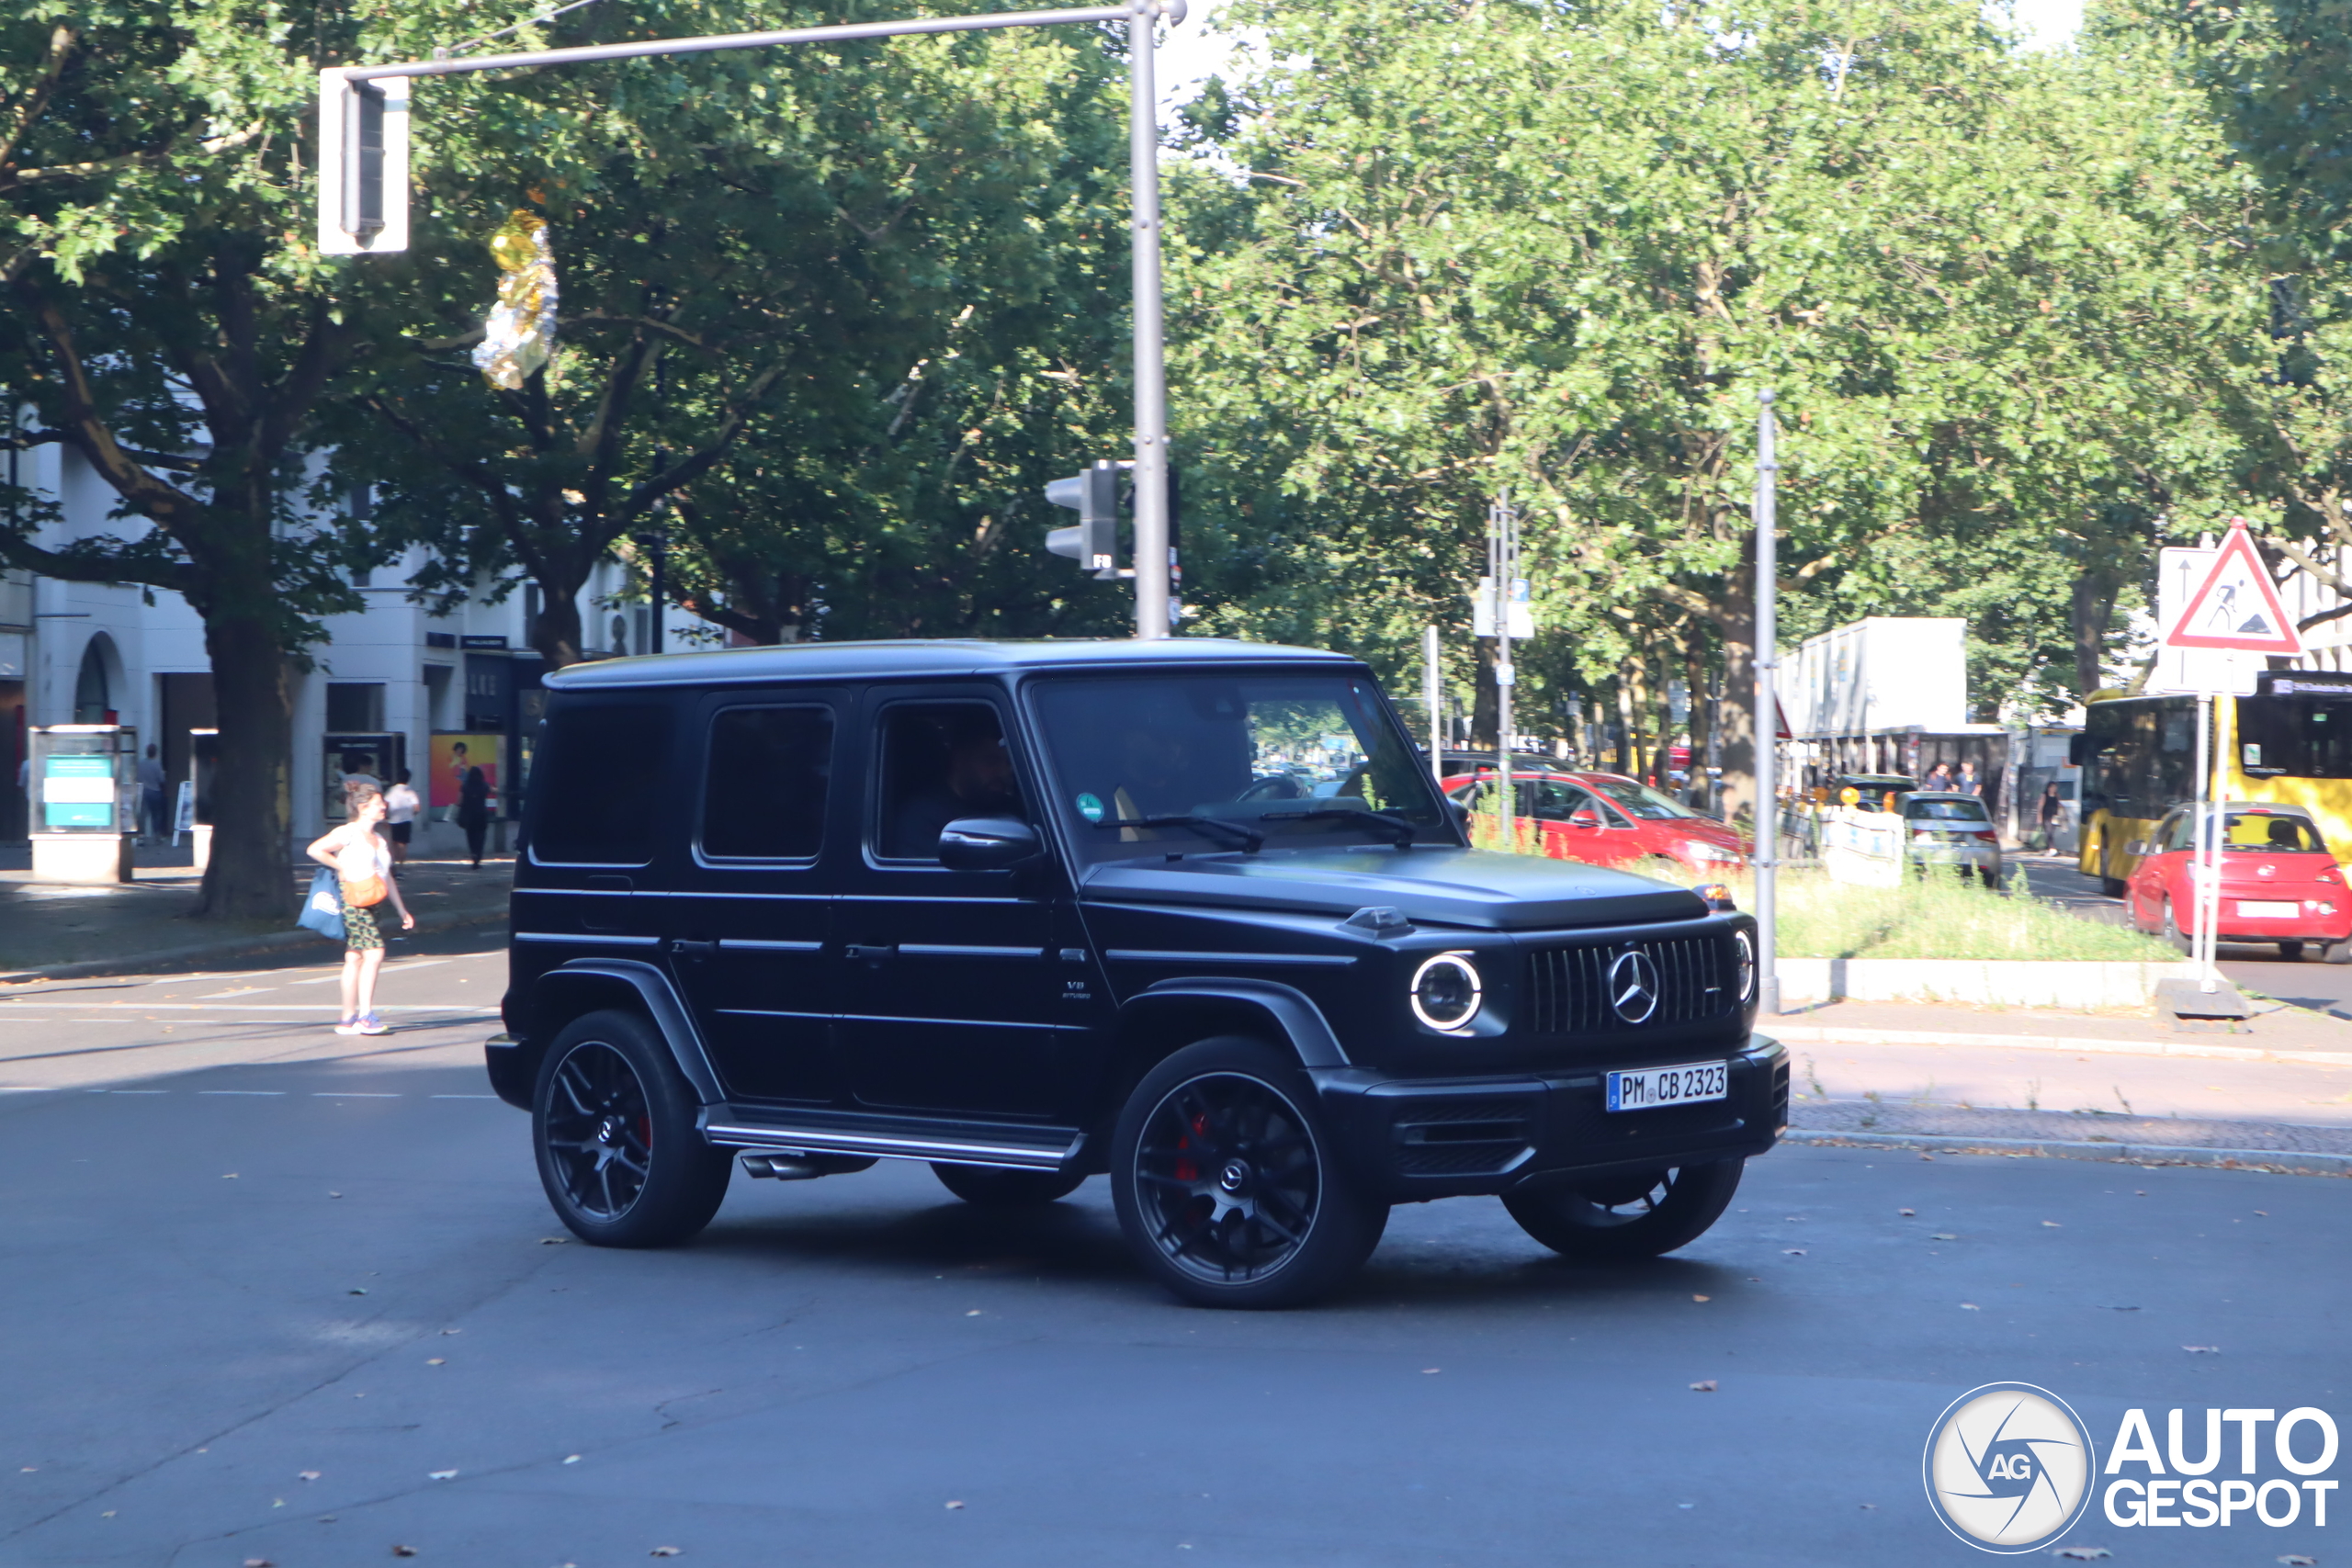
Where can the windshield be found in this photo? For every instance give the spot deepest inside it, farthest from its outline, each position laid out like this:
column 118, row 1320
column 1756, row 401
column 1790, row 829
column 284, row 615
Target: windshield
column 1640, row 800
column 1945, row 810
column 1271, row 758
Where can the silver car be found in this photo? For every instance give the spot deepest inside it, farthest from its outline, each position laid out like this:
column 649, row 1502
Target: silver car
column 1946, row 828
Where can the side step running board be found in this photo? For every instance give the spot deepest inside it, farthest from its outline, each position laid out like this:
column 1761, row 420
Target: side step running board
column 789, row 1142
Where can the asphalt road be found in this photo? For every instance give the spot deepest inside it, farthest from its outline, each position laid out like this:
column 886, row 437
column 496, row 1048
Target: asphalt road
column 297, row 1304
column 2307, row 982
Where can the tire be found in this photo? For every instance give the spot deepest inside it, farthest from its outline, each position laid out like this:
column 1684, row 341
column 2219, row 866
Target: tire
column 2174, row 934
column 993, row 1189
column 2292, row 952
column 2337, row 953
column 1227, row 1185
column 613, row 1125
column 1591, row 1223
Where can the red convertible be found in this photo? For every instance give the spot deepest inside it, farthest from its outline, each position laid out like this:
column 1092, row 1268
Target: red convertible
column 1609, row 820
column 2279, row 884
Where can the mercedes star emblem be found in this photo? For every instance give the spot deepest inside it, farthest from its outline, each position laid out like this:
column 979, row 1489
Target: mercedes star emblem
column 1633, row 987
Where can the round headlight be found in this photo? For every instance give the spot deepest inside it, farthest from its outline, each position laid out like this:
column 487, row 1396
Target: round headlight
column 1744, row 947
column 1446, row 994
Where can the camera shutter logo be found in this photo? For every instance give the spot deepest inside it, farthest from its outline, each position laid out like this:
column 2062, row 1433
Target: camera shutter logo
column 1632, row 986
column 2009, row 1467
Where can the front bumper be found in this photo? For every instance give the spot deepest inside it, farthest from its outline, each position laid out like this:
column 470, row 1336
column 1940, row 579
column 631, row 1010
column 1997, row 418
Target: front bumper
column 1407, row 1140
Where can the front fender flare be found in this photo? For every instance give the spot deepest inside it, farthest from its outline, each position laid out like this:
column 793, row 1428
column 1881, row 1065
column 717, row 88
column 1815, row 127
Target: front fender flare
column 660, row 999
column 1290, row 1010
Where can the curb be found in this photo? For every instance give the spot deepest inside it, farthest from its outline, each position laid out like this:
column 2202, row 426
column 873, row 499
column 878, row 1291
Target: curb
column 200, row 952
column 1808, row 1034
column 2274, row 1162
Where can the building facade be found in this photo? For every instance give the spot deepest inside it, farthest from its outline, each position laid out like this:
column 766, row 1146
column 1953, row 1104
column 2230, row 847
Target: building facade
column 392, row 685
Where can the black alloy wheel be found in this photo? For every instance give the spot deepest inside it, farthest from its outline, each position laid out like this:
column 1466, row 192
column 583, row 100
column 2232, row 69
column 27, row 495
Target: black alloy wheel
column 1617, row 1219
column 613, row 1122
column 993, row 1189
column 1224, row 1182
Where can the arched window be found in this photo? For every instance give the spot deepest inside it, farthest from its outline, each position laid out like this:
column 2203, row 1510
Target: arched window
column 91, row 701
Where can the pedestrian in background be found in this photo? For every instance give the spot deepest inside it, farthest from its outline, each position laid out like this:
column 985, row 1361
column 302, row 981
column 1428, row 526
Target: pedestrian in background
column 1968, row 782
column 2050, row 813
column 401, row 807
column 362, row 864
column 473, row 811
column 151, row 794
column 1939, row 777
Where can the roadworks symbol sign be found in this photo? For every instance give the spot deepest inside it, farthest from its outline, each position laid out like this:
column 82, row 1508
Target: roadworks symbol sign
column 2237, row 605
column 2009, row 1467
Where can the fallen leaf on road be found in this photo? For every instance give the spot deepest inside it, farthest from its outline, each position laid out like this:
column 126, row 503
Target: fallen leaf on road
column 230, row 1177
column 334, row 1194
column 572, row 1459
column 403, row 1552
column 1702, row 1298
column 2051, row 1225
column 1969, row 1306
column 2265, row 1215
column 308, row 1475
column 2080, row 1554
column 553, row 1240
column 2297, row 1559
column 1793, row 1251
column 1705, row 1386
column 449, row 1331
column 354, row 1292
column 2203, row 1349
column 1943, row 1235
column 436, row 1361
column 259, row 1563
column 973, row 1312
column 1908, row 1214
column 954, row 1505
column 1929, row 1158
column 669, row 1551
column 442, row 1474
column 1427, row 1371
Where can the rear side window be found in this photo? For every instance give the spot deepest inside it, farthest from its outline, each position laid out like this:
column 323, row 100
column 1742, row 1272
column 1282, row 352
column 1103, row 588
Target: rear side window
column 597, row 784
column 763, row 792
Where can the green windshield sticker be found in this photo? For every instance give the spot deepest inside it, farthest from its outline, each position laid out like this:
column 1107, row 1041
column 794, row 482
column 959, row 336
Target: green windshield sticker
column 1090, row 808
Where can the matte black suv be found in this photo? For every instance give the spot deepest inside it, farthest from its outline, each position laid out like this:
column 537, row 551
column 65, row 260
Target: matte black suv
column 1190, row 913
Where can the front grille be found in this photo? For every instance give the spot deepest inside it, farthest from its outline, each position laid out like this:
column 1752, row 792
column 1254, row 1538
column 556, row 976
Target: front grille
column 1568, row 987
column 1460, row 1137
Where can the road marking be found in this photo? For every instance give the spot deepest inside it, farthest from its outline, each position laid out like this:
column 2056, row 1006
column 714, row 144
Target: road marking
column 349, row 1094
column 259, row 1093
column 476, row 1010
column 19, row 1088
column 465, row 1097
column 240, row 991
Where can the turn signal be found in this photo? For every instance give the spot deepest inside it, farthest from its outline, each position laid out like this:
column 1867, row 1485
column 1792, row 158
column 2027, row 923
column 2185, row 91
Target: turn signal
column 1715, row 895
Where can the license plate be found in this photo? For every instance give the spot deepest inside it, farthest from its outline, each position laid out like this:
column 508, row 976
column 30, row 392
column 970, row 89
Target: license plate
column 2256, row 909
column 1651, row 1087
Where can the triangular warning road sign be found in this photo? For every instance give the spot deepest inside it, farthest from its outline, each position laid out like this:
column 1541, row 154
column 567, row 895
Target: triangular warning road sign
column 2236, row 606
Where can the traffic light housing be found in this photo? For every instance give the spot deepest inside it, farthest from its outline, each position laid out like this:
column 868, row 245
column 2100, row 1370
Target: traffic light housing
column 363, row 164
column 1093, row 541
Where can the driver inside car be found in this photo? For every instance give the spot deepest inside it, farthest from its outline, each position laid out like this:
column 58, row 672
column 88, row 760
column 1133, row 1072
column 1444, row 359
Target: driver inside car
column 976, row 780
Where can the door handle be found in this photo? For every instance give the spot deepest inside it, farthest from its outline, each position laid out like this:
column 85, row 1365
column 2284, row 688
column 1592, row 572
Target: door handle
column 872, row 954
column 696, row 950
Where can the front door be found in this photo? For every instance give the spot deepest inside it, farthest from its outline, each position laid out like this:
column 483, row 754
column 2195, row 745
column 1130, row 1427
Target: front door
column 750, row 916
column 949, row 980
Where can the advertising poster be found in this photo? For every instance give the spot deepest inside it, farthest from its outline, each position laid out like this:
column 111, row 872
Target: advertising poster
column 452, row 755
column 78, row 791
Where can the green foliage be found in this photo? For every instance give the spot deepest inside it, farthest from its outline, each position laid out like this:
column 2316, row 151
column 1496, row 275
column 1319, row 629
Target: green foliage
column 1938, row 916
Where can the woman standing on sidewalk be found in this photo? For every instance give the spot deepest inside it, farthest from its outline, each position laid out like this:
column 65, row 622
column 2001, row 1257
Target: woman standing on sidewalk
column 362, row 864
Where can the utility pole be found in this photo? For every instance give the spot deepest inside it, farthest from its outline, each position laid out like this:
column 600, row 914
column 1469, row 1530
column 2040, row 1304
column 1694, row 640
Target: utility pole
column 1767, row 711
column 1502, row 566
column 1434, row 702
column 363, row 197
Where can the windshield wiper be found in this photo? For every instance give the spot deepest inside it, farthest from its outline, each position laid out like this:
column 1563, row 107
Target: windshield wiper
column 1401, row 827
column 1249, row 838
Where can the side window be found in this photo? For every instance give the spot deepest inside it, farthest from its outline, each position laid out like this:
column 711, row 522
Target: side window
column 940, row 762
column 763, row 784
column 596, row 783
column 1555, row 800
column 2176, row 834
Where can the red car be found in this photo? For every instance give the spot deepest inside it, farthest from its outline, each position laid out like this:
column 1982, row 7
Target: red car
column 1610, row 819
column 2279, row 884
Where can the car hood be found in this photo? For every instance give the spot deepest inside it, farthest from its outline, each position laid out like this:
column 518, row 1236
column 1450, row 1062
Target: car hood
column 1437, row 887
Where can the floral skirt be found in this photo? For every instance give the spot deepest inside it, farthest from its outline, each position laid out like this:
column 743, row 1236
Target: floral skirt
column 359, row 931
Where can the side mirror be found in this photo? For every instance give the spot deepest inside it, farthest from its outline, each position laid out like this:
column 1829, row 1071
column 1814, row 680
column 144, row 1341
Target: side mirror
column 1584, row 818
column 1460, row 808
column 989, row 844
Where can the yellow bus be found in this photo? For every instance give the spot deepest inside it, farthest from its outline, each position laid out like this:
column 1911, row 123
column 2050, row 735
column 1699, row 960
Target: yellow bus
column 2290, row 744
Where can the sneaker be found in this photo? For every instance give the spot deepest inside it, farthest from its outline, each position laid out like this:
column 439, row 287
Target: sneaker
column 372, row 1024
column 347, row 1026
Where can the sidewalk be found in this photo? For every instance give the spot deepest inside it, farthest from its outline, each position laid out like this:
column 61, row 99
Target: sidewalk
column 2072, row 1085
column 48, row 929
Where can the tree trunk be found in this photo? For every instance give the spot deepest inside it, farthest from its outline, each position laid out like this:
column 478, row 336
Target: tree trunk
column 1737, row 714
column 2092, row 608
column 558, row 635
column 246, row 877
column 1694, row 681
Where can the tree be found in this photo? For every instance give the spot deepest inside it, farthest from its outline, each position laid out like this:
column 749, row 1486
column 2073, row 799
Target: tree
column 814, row 305
column 169, row 325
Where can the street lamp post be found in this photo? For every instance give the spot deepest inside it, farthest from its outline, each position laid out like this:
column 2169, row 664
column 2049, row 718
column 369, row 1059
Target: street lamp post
column 363, row 197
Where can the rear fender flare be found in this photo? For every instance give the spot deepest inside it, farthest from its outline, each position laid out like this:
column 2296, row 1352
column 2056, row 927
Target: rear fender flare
column 659, row 1001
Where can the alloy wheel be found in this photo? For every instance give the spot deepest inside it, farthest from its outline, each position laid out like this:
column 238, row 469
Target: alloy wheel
column 599, row 1131
column 1228, row 1177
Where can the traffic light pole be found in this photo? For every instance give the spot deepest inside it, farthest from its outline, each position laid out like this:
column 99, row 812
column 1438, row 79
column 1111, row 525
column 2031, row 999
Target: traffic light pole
column 337, row 85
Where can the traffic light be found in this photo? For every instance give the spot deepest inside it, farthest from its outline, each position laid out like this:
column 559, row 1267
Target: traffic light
column 363, row 164
column 1093, row 542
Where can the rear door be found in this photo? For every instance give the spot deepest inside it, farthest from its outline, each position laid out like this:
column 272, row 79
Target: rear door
column 602, row 795
column 750, row 913
column 949, row 980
